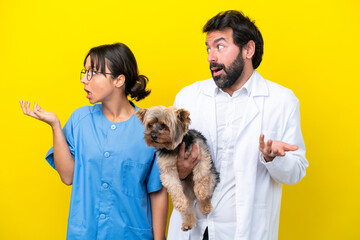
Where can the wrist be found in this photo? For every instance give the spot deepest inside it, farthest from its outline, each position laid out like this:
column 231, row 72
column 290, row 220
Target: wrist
column 268, row 158
column 55, row 125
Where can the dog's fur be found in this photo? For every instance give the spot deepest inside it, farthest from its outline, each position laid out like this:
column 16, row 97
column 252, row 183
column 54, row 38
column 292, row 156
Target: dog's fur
column 166, row 129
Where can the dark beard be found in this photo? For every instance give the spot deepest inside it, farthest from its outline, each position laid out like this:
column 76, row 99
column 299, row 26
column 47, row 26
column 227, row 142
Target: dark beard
column 232, row 73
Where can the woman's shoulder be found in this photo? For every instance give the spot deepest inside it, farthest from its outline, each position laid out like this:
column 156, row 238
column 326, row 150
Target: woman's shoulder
column 85, row 111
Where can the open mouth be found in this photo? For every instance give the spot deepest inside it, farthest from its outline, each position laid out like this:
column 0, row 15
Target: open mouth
column 216, row 69
column 88, row 95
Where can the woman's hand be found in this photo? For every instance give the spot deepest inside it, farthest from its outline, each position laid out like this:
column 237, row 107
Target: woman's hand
column 38, row 113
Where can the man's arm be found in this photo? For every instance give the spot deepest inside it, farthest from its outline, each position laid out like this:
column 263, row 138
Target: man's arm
column 286, row 163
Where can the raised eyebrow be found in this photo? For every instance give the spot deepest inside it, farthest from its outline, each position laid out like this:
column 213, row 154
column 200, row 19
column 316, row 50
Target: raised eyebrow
column 217, row 40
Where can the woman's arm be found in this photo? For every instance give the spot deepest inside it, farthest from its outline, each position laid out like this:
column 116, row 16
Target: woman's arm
column 159, row 209
column 64, row 162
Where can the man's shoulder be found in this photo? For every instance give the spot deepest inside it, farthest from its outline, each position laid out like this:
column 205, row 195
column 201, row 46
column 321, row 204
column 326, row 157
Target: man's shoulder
column 280, row 95
column 274, row 90
column 194, row 90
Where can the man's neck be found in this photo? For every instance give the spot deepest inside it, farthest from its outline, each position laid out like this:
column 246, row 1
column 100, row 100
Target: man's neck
column 244, row 77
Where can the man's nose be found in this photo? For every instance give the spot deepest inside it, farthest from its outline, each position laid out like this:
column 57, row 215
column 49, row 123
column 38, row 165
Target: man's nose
column 212, row 56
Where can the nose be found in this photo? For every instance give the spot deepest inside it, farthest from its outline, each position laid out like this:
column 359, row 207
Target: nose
column 153, row 137
column 212, row 56
column 84, row 80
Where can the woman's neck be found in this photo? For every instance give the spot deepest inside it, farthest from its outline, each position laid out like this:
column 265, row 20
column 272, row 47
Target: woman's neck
column 118, row 111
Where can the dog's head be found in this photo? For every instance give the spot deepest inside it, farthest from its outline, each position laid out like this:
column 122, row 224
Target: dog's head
column 164, row 127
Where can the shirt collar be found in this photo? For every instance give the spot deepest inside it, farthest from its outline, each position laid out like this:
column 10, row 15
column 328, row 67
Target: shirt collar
column 245, row 89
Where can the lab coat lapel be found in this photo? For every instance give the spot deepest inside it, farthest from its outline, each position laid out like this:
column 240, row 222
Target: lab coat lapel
column 207, row 112
column 246, row 154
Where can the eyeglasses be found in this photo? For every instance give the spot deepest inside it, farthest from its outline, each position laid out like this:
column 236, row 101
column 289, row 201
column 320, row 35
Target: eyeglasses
column 90, row 73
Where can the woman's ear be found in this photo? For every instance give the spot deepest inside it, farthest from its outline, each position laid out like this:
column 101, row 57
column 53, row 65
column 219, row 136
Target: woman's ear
column 119, row 81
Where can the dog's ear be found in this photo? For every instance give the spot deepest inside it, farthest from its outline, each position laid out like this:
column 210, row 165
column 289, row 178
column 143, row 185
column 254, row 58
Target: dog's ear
column 183, row 117
column 141, row 114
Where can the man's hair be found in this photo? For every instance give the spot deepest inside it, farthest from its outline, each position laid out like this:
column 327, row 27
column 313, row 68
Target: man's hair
column 243, row 28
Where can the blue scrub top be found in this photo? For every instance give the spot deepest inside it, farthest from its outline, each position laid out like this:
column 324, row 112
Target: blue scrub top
column 114, row 173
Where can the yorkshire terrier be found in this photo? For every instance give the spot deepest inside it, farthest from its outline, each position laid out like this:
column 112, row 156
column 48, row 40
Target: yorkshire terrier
column 166, row 129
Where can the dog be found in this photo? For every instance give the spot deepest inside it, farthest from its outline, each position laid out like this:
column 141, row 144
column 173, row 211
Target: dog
column 166, row 129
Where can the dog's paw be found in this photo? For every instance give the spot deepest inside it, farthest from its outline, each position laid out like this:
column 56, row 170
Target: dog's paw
column 187, row 226
column 206, row 208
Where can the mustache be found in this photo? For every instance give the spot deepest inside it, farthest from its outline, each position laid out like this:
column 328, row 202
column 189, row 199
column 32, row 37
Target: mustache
column 215, row 64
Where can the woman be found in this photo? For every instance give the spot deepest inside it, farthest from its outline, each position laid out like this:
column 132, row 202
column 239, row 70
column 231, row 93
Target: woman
column 116, row 189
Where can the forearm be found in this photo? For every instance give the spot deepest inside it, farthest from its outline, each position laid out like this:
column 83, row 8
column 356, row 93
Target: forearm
column 159, row 208
column 64, row 162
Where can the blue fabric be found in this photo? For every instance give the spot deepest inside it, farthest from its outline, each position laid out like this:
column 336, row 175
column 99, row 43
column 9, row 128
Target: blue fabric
column 114, row 173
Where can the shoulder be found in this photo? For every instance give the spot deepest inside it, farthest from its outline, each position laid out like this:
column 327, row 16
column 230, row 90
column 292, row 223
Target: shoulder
column 196, row 87
column 83, row 112
column 278, row 95
column 280, row 92
column 191, row 92
column 272, row 90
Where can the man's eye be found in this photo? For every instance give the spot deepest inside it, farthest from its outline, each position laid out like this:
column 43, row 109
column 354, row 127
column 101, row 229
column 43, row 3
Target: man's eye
column 220, row 47
column 94, row 72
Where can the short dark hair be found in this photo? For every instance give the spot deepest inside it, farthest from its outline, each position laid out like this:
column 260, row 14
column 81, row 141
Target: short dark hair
column 120, row 60
column 243, row 28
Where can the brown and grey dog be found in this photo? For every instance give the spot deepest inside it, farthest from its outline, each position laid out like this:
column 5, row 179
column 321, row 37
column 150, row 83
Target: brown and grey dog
column 166, row 129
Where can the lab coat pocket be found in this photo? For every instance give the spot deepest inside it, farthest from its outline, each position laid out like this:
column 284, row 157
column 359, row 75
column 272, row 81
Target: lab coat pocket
column 260, row 226
column 138, row 233
column 134, row 178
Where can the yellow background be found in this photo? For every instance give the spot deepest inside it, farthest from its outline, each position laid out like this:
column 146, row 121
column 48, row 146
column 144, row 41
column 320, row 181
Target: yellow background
column 311, row 47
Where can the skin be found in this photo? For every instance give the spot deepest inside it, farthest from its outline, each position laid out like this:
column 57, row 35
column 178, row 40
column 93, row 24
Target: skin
column 116, row 107
column 222, row 50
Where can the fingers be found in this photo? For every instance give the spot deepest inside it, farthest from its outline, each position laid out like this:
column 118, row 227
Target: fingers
column 27, row 110
column 195, row 155
column 182, row 152
column 288, row 147
column 268, row 146
column 261, row 141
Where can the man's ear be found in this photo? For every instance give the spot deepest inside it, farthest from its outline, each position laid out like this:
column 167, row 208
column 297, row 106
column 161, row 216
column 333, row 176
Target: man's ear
column 183, row 117
column 248, row 50
column 120, row 80
column 141, row 114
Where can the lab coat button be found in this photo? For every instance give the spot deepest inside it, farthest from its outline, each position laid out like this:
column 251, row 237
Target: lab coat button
column 107, row 154
column 113, row 127
column 105, row 185
column 102, row 216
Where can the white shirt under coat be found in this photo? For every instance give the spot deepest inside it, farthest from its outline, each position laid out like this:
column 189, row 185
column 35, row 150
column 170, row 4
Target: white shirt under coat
column 270, row 109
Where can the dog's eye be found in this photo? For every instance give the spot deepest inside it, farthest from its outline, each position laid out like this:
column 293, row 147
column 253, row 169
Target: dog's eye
column 150, row 125
column 163, row 126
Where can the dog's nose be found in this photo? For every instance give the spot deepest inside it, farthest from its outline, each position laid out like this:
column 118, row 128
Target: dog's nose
column 154, row 137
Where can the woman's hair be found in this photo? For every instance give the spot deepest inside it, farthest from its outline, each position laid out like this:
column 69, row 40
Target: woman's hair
column 120, row 60
column 243, row 28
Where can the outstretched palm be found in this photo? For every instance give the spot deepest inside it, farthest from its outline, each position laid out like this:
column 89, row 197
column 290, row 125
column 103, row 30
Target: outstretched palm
column 38, row 113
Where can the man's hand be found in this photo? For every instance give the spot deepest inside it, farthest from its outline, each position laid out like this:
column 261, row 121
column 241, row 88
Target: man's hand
column 186, row 165
column 272, row 149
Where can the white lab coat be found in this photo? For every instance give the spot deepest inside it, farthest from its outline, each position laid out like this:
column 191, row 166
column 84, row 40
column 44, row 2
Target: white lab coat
column 272, row 110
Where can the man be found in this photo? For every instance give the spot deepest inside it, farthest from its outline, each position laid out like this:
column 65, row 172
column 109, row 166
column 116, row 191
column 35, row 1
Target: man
column 236, row 110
